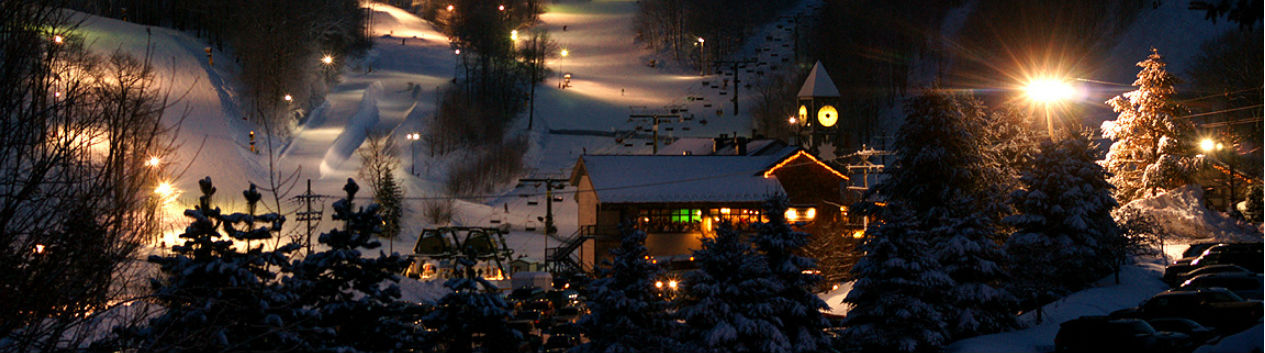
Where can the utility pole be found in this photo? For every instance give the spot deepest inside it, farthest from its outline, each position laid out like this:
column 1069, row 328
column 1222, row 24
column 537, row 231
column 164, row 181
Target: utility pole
column 734, row 66
column 549, row 186
column 656, row 118
column 308, row 215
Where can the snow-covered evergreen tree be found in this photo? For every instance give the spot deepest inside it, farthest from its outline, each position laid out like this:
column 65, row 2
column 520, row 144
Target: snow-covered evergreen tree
column 729, row 303
column 941, row 177
column 1152, row 149
column 1064, row 221
column 899, row 292
column 473, row 308
column 390, row 198
column 627, row 314
column 217, row 297
column 798, row 309
column 355, row 300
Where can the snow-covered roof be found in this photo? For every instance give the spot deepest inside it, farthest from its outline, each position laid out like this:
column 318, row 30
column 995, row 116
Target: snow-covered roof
column 818, row 84
column 660, row 178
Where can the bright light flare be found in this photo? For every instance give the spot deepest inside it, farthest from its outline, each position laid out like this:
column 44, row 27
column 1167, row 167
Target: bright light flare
column 327, row 60
column 700, row 39
column 288, row 98
column 565, row 52
column 152, row 162
column 792, row 120
column 1047, row 90
column 39, row 248
column 450, row 8
column 500, row 7
column 58, row 39
column 658, row 284
column 672, row 284
column 514, row 34
column 166, row 192
column 1208, row 145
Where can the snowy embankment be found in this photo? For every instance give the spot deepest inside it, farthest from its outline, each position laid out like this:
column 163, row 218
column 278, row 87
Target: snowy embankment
column 354, row 133
column 1181, row 215
column 1138, row 282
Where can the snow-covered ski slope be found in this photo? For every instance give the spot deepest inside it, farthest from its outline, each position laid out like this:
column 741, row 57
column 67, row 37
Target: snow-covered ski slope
column 394, row 89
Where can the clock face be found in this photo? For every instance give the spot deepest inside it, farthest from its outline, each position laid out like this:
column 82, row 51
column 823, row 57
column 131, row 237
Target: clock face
column 827, row 116
column 803, row 114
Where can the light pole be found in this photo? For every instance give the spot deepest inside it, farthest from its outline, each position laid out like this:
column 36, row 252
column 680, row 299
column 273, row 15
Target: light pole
column 1048, row 91
column 412, row 150
column 1211, row 147
column 702, row 62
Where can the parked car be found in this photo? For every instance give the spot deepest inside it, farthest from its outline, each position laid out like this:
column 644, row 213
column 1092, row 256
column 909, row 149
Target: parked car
column 1246, row 285
column 1214, row 307
column 1210, row 270
column 1198, row 333
column 1197, row 249
column 1246, row 255
column 1104, row 334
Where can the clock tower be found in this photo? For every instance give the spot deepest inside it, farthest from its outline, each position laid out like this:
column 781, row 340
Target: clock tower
column 816, row 114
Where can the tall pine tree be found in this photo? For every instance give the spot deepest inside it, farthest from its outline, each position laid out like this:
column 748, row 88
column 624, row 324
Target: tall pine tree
column 217, row 297
column 627, row 314
column 941, row 177
column 799, row 310
column 1064, row 222
column 1152, row 149
column 355, row 299
column 472, row 314
column 729, row 303
column 899, row 290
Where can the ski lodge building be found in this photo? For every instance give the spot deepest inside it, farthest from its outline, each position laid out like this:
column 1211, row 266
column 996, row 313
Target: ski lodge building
column 678, row 199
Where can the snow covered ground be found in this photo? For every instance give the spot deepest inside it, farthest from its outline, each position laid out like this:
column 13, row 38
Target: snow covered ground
column 1138, row 281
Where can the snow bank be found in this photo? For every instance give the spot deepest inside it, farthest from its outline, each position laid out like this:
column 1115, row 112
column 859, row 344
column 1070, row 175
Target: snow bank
column 1246, row 341
column 835, row 297
column 1181, row 214
column 1137, row 283
column 365, row 118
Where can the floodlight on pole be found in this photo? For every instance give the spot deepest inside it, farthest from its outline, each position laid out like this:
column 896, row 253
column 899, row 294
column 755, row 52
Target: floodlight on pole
column 1048, row 91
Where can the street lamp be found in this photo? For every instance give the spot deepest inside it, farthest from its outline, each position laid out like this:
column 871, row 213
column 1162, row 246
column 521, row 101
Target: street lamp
column 1048, row 91
column 702, row 64
column 1209, row 147
column 413, row 137
column 327, row 60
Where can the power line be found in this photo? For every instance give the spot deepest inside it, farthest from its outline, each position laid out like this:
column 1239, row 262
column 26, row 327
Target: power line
column 1218, row 95
column 1254, row 106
